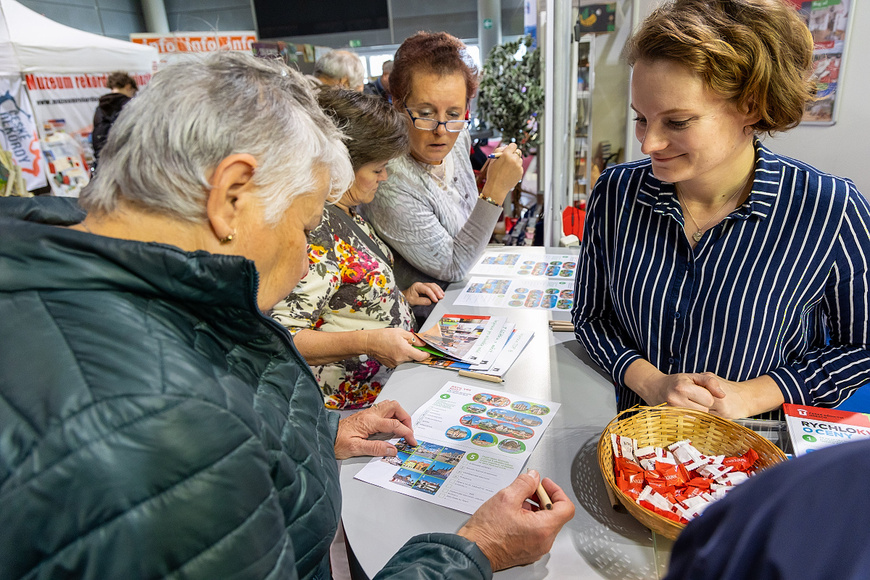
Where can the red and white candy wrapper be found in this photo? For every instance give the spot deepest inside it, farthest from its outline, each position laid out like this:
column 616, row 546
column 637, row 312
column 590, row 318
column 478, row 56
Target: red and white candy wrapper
column 677, row 482
column 622, row 446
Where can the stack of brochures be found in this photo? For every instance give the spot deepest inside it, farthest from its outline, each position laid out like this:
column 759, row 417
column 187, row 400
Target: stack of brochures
column 486, row 345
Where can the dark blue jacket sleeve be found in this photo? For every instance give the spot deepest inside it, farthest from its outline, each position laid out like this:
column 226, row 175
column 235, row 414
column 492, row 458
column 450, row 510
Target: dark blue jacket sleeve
column 437, row 556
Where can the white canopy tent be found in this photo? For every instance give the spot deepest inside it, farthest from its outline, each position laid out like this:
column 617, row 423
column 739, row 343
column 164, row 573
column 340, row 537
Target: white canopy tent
column 51, row 78
column 32, row 43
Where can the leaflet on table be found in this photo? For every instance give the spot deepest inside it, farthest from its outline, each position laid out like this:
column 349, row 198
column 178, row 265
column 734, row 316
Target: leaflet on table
column 812, row 428
column 466, row 338
column 504, row 263
column 472, row 442
column 548, row 293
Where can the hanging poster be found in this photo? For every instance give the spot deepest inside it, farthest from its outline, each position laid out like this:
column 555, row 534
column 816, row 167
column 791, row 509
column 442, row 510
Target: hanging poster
column 71, row 98
column 828, row 21
column 19, row 135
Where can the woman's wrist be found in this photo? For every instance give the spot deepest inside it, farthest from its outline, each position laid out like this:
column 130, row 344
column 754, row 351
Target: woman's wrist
column 490, row 200
column 493, row 194
column 641, row 376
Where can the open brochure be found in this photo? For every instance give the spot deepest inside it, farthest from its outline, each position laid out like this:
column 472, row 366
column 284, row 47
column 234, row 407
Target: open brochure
column 463, row 337
column 507, row 263
column 471, row 443
column 480, row 344
column 812, row 428
column 534, row 293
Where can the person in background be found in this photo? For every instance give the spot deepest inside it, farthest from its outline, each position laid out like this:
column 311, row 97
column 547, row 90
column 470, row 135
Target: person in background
column 123, row 88
column 801, row 519
column 156, row 422
column 716, row 275
column 348, row 317
column 381, row 86
column 340, row 68
column 429, row 210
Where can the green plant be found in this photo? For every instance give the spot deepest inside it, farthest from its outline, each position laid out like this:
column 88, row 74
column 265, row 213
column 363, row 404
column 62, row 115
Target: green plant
column 511, row 96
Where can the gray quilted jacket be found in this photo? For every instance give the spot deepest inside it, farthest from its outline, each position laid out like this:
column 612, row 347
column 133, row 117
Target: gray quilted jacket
column 153, row 423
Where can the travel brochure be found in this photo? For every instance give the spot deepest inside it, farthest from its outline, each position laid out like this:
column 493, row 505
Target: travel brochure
column 471, row 443
column 544, row 293
column 504, row 263
column 478, row 344
column 812, row 428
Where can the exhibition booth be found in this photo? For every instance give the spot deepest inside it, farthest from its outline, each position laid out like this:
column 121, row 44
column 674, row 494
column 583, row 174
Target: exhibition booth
column 51, row 77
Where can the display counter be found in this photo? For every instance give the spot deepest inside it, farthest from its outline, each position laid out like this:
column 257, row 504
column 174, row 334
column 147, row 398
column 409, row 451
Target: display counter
column 598, row 542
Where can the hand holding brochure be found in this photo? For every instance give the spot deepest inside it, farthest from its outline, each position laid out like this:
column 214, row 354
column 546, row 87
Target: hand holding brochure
column 482, row 344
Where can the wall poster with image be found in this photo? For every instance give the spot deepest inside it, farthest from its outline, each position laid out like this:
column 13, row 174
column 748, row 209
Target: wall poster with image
column 828, row 21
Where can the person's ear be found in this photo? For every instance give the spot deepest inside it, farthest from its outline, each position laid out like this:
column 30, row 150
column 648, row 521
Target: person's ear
column 231, row 194
column 751, row 117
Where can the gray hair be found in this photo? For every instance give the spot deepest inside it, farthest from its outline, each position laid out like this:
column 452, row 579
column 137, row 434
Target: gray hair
column 336, row 64
column 167, row 141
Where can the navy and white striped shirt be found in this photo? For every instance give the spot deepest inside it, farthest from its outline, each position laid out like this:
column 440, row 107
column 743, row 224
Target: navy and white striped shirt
column 779, row 287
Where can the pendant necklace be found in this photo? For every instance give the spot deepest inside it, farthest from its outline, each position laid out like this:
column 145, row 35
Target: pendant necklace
column 701, row 229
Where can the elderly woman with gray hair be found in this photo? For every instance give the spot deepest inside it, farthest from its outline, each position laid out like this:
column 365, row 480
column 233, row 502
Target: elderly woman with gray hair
column 340, row 68
column 153, row 421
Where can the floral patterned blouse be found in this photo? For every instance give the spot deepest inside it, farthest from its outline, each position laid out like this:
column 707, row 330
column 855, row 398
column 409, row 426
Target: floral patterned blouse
column 348, row 287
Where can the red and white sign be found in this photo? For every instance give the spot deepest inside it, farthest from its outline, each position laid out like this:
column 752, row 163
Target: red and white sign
column 72, row 98
column 197, row 41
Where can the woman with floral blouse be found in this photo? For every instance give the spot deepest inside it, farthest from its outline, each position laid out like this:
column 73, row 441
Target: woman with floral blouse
column 349, row 319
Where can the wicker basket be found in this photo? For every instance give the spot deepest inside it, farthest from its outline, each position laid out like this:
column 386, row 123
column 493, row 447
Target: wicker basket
column 660, row 426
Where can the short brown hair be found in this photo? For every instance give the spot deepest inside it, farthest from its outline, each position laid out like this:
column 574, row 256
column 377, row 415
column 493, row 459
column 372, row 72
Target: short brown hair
column 755, row 53
column 375, row 131
column 431, row 52
column 119, row 80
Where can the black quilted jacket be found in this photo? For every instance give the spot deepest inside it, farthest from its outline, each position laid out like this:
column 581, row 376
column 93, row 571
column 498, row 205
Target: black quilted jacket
column 153, row 423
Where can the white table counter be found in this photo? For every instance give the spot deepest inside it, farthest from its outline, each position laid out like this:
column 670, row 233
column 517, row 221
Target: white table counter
column 598, row 542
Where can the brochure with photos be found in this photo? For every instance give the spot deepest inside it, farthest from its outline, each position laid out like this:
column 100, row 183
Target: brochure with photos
column 471, row 443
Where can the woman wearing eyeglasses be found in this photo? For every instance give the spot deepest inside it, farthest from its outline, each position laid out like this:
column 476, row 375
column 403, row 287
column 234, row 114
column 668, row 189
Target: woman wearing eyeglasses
column 429, row 210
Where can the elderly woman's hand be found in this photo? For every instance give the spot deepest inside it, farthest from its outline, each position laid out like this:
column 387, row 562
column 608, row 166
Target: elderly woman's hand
column 503, row 173
column 423, row 293
column 354, row 431
column 392, row 346
column 510, row 531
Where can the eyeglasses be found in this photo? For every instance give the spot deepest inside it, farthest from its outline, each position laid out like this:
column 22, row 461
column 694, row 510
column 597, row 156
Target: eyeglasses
column 453, row 126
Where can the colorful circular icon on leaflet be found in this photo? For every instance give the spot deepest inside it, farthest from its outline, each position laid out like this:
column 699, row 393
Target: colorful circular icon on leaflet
column 484, row 439
column 512, row 446
column 458, row 433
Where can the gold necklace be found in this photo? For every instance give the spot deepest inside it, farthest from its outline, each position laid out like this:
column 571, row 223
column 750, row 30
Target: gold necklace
column 700, row 229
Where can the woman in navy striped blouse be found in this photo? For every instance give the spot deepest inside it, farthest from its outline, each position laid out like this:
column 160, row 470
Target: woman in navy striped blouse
column 717, row 275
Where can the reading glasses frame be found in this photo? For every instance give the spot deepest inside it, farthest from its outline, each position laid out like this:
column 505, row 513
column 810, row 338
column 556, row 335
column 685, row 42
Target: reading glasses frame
column 452, row 126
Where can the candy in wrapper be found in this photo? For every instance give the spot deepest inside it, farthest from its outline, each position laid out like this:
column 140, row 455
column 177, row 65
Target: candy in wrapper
column 627, row 466
column 685, row 452
column 732, row 478
column 713, row 471
column 631, row 486
column 670, row 473
column 700, row 482
column 677, row 482
column 623, row 446
column 742, row 463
